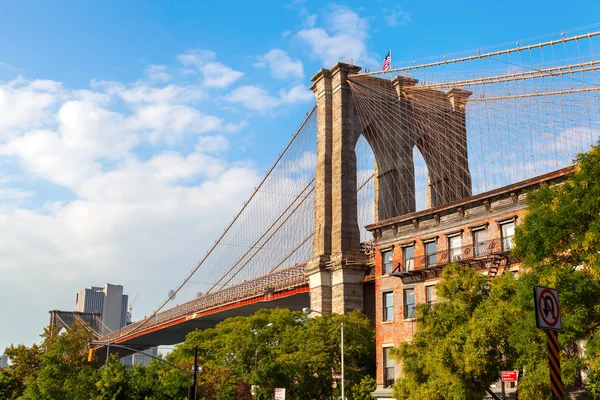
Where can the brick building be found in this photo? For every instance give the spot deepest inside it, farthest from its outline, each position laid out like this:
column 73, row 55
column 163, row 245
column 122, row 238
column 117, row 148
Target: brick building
column 412, row 249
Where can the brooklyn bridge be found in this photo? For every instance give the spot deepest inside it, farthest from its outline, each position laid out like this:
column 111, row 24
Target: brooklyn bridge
column 378, row 145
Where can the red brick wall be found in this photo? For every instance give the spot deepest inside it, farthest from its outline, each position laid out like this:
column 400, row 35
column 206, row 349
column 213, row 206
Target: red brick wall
column 402, row 330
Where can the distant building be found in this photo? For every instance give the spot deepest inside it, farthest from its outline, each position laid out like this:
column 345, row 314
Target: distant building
column 108, row 301
column 141, row 358
column 3, row 361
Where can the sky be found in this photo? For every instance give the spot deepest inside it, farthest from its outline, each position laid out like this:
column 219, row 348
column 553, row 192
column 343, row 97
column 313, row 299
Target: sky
column 131, row 132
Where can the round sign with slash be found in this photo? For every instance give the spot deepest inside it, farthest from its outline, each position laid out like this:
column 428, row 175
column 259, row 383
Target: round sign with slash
column 547, row 308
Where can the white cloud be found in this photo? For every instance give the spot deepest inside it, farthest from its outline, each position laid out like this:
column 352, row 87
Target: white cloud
column 158, row 73
column 258, row 99
column 212, row 144
column 253, row 98
column 281, row 65
column 169, row 122
column 344, row 38
column 297, row 94
column 142, row 93
column 215, row 74
column 26, row 104
column 126, row 215
column 398, row 17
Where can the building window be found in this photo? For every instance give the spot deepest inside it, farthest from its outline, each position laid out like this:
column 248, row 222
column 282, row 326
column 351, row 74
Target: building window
column 387, row 262
column 430, row 253
column 388, row 306
column 388, row 367
column 430, row 295
column 508, row 234
column 479, row 242
column 408, row 258
column 454, row 244
column 409, row 303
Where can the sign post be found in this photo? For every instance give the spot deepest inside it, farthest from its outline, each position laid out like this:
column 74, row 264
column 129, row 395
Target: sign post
column 510, row 376
column 279, row 393
column 547, row 317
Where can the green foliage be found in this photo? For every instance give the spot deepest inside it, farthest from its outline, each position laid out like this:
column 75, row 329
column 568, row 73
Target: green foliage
column 273, row 348
column 9, row 386
column 363, row 389
column 562, row 226
column 461, row 343
column 65, row 372
column 559, row 242
column 279, row 348
column 113, row 383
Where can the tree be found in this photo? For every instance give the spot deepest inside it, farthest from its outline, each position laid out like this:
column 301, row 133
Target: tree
column 112, row 384
column 559, row 243
column 9, row 386
column 278, row 348
column 65, row 372
column 363, row 389
column 461, row 343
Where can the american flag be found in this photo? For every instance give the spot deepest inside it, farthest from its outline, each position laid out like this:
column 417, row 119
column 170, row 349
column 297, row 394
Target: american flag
column 387, row 61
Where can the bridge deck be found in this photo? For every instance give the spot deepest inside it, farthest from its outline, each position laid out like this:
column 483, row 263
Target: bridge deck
column 276, row 287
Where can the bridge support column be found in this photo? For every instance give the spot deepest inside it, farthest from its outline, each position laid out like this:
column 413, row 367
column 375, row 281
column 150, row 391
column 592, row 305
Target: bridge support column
column 319, row 281
column 347, row 275
column 337, row 236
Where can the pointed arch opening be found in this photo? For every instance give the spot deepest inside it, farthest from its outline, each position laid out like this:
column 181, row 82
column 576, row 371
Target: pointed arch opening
column 421, row 178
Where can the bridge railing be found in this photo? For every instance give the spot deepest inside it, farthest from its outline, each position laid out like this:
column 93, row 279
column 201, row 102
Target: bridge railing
column 283, row 279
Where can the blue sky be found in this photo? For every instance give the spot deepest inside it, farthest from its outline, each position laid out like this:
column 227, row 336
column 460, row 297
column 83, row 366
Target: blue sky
column 130, row 132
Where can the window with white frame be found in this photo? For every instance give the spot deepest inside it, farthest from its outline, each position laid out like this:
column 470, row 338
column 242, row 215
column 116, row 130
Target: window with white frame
column 409, row 303
column 454, row 246
column 479, row 242
column 388, row 367
column 388, row 306
column 408, row 258
column 507, row 230
column 430, row 295
column 430, row 253
column 387, row 262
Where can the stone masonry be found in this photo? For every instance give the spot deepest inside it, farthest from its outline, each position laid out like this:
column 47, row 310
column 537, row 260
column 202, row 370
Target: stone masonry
column 337, row 268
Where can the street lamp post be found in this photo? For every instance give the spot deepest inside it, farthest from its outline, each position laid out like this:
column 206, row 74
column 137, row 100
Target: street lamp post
column 307, row 310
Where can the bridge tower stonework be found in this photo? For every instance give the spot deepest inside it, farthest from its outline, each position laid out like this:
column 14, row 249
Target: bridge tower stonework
column 336, row 270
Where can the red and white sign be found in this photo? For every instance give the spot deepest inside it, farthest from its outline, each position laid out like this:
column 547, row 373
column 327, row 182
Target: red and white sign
column 547, row 308
column 510, row 376
column 279, row 394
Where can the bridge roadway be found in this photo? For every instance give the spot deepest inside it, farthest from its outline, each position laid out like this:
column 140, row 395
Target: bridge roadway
column 284, row 288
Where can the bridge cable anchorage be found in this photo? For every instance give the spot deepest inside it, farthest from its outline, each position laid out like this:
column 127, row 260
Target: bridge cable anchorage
column 256, row 190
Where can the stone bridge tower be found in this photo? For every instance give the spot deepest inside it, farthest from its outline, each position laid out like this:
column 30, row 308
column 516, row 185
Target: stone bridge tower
column 336, row 271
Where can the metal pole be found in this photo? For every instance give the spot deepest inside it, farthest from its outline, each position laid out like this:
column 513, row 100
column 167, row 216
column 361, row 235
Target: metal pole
column 192, row 390
column 343, row 391
column 107, row 353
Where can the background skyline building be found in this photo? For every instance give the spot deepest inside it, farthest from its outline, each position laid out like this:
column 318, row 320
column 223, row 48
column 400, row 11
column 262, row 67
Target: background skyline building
column 108, row 301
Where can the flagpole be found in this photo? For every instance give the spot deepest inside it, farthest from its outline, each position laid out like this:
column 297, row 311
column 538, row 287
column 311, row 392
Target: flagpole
column 390, row 58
